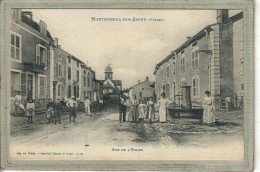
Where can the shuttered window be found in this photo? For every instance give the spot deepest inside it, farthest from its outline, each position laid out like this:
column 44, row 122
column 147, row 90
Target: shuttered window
column 41, row 55
column 195, row 86
column 15, row 47
column 23, row 84
column 42, row 86
column 15, row 83
column 195, row 59
column 183, row 64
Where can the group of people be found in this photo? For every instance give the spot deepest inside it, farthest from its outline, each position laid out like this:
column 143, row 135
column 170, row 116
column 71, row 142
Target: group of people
column 140, row 110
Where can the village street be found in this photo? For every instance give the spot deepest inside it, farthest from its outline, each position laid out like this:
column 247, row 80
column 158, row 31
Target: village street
column 103, row 128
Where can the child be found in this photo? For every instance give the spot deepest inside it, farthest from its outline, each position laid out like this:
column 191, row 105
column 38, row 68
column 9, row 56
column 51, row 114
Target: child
column 30, row 110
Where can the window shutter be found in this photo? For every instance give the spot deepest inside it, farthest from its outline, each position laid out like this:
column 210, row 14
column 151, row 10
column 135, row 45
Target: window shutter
column 23, row 84
column 37, row 54
column 44, row 56
column 57, row 69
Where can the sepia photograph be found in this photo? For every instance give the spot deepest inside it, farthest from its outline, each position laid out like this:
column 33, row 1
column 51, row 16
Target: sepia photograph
column 99, row 85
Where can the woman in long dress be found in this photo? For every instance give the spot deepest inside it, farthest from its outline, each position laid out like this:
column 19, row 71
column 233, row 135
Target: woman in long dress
column 208, row 115
column 151, row 115
column 133, row 112
column 141, row 111
column 163, row 102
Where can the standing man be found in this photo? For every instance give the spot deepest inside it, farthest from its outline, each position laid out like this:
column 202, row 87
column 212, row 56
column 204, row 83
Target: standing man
column 87, row 106
column 122, row 108
column 72, row 104
column 58, row 109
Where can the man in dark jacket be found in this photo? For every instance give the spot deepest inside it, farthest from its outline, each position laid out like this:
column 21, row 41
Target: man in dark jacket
column 122, row 108
column 50, row 108
column 58, row 110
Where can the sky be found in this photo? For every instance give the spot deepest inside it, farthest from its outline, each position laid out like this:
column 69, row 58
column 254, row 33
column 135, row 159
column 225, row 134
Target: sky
column 132, row 48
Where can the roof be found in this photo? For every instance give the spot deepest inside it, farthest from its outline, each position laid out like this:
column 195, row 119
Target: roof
column 30, row 22
column 116, row 82
column 108, row 85
column 196, row 37
column 108, row 69
column 142, row 83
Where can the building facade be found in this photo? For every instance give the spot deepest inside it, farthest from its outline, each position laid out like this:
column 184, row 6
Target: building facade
column 87, row 82
column 142, row 90
column 30, row 57
column 58, row 73
column 209, row 60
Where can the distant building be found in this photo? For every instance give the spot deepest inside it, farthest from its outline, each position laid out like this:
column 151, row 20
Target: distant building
column 111, row 86
column 210, row 60
column 87, row 82
column 143, row 89
column 59, row 75
column 30, row 57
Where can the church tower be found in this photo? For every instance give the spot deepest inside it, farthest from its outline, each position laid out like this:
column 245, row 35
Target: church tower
column 108, row 73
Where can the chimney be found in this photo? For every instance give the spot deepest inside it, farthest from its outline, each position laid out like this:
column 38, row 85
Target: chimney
column 28, row 14
column 147, row 78
column 139, row 81
column 16, row 14
column 56, row 43
column 222, row 15
column 43, row 27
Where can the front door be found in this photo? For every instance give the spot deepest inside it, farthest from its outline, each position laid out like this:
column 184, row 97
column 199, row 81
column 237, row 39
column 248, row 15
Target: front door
column 30, row 87
column 54, row 92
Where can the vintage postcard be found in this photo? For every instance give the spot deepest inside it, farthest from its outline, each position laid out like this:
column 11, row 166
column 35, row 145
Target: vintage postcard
column 127, row 85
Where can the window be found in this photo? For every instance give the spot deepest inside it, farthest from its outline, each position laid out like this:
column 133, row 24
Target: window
column 164, row 88
column 84, row 93
column 168, row 71
column 195, row 86
column 195, row 58
column 69, row 59
column 173, row 68
column 88, row 82
column 77, row 64
column 59, row 90
column 85, row 81
column 173, row 90
column 15, row 83
column 42, row 86
column 77, row 75
column 183, row 64
column 242, row 86
column 84, row 72
column 77, row 91
column 41, row 54
column 60, row 71
column 16, row 47
column 60, row 56
column 69, row 73
column 69, row 91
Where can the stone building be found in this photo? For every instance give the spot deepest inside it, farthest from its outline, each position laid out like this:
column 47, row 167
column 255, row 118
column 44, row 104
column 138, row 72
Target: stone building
column 143, row 89
column 111, row 86
column 209, row 60
column 30, row 57
column 58, row 72
column 87, row 82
